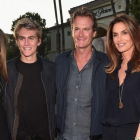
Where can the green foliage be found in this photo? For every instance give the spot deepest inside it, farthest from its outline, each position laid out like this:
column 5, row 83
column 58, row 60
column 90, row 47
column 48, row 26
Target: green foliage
column 13, row 51
column 43, row 51
column 135, row 9
column 34, row 16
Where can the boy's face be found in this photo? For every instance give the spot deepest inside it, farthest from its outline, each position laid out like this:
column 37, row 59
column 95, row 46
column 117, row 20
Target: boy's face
column 28, row 42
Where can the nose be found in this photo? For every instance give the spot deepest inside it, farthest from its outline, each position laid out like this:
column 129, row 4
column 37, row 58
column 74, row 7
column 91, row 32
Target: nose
column 119, row 37
column 26, row 42
column 80, row 33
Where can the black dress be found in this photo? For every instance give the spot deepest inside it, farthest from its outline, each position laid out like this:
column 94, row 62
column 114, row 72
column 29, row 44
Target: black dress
column 3, row 123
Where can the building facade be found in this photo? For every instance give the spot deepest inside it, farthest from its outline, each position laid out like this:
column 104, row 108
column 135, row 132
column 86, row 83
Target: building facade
column 104, row 14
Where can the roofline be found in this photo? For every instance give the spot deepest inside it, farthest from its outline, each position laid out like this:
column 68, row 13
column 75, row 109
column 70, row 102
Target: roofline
column 90, row 5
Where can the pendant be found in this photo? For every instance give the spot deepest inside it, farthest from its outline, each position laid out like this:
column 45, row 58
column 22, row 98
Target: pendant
column 120, row 105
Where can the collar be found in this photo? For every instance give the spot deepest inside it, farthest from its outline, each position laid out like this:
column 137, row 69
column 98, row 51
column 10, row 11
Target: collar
column 129, row 68
column 90, row 61
column 18, row 59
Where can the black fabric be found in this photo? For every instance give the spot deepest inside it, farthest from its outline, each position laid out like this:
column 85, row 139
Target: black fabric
column 130, row 113
column 3, row 123
column 96, row 137
column 48, row 79
column 32, row 106
column 124, row 132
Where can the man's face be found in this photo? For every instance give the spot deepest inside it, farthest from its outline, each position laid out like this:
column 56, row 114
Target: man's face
column 82, row 32
column 27, row 42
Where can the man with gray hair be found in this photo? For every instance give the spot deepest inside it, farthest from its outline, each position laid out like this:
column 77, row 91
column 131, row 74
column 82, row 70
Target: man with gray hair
column 30, row 93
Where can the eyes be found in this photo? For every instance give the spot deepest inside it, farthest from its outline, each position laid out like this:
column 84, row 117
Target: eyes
column 29, row 38
column 122, row 33
column 84, row 29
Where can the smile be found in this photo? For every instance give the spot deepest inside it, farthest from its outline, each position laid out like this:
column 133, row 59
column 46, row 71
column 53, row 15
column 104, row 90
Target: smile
column 121, row 44
column 27, row 48
column 81, row 39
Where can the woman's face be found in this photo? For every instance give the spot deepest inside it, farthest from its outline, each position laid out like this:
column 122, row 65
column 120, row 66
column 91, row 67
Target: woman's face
column 122, row 39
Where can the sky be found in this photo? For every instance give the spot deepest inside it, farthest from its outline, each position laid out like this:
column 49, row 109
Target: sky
column 10, row 10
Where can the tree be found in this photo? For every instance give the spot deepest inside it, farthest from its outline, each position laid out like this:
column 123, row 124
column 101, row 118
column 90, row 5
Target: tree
column 34, row 16
column 12, row 49
column 135, row 9
column 42, row 49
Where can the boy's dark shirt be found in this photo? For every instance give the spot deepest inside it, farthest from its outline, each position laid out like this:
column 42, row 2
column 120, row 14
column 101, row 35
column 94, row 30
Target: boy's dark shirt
column 32, row 106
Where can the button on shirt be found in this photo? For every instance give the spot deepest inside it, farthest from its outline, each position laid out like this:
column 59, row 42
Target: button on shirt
column 78, row 98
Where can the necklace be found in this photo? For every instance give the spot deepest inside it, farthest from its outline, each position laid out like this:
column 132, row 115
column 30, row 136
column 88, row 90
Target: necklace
column 120, row 96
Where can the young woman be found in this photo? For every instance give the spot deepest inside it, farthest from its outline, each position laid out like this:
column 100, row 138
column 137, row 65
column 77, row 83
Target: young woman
column 122, row 111
column 3, row 75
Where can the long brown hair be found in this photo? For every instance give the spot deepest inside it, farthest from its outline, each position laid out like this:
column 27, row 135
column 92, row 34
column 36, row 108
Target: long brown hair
column 3, row 68
column 113, row 54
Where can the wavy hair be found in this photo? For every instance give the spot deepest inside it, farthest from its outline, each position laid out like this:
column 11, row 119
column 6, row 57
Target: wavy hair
column 27, row 24
column 113, row 54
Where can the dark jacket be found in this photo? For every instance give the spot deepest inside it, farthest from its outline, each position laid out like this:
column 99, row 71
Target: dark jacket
column 98, row 88
column 13, row 88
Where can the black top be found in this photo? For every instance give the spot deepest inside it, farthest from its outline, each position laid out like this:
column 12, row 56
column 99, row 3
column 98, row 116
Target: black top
column 130, row 113
column 3, row 122
column 32, row 107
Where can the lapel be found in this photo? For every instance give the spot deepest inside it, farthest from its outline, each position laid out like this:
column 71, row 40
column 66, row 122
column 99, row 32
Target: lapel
column 98, row 60
column 65, row 68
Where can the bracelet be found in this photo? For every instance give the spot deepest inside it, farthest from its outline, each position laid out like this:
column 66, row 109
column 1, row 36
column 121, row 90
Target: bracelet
column 137, row 138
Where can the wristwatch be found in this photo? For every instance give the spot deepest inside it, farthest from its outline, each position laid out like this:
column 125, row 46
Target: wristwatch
column 137, row 138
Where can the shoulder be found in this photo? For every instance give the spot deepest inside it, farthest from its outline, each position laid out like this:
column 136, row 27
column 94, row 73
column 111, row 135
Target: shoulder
column 48, row 67
column 62, row 57
column 46, row 61
column 11, row 63
column 47, row 64
column 102, row 56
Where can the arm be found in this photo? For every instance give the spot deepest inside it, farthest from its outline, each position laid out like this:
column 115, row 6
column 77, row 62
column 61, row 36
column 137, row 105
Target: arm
column 138, row 133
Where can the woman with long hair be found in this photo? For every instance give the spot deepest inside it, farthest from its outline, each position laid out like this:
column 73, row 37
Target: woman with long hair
column 3, row 76
column 122, row 110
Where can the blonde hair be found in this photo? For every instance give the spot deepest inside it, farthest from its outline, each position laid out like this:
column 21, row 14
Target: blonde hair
column 28, row 24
